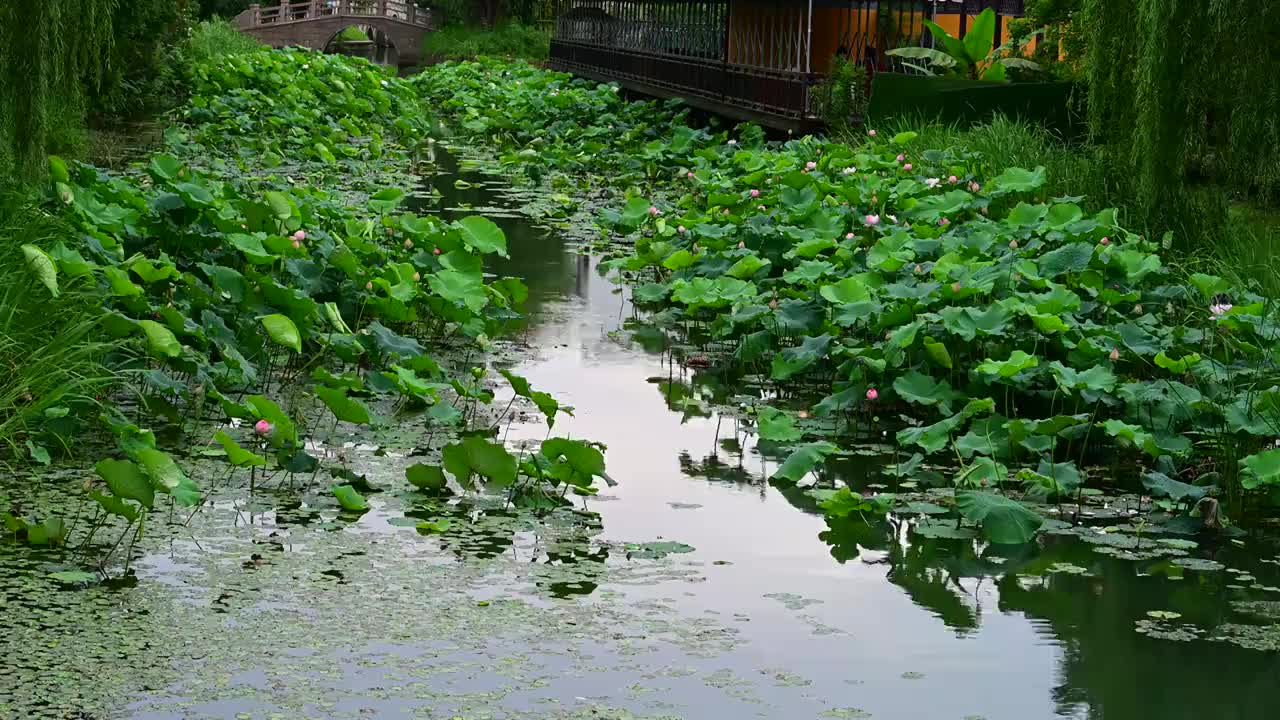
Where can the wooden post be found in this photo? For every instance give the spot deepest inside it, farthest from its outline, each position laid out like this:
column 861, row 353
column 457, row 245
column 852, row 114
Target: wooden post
column 314, row 11
column 255, row 19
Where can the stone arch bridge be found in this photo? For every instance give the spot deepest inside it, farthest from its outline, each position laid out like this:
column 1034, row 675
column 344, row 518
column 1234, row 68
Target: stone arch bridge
column 313, row 23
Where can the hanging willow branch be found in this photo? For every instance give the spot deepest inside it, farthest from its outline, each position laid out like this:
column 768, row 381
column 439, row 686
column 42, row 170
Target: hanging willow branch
column 51, row 52
column 1183, row 95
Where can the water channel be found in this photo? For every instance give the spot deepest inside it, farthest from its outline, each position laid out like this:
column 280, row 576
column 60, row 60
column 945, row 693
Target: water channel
column 693, row 589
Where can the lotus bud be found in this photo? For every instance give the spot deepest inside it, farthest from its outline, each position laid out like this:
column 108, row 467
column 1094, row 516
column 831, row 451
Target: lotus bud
column 953, row 179
column 983, row 211
column 955, row 287
column 1013, row 244
column 918, row 269
column 774, row 303
column 755, row 193
column 689, row 174
column 300, row 235
column 297, row 245
column 761, row 208
column 262, row 427
column 849, row 236
column 872, row 219
column 1115, row 354
column 872, row 394
column 408, row 244
column 872, row 133
column 368, row 285
column 1105, row 241
column 1137, row 309
column 742, row 245
column 389, row 232
column 944, row 222
column 901, row 157
column 680, row 229
column 653, row 210
column 907, row 167
column 417, row 277
column 810, row 165
column 435, row 251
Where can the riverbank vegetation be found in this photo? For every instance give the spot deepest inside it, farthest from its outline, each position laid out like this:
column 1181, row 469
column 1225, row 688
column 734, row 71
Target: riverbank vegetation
column 1022, row 350
column 228, row 286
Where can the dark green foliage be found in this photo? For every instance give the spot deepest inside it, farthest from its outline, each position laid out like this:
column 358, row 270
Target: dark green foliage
column 1183, row 95
column 1062, row 47
column 51, row 53
column 841, row 99
column 511, row 40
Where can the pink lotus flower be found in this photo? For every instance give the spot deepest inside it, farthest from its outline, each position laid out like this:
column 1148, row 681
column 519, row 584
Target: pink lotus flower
column 849, row 236
column 300, row 235
column 297, row 245
column 955, row 287
column 653, row 210
column 1115, row 354
column 872, row 133
column 755, row 193
column 953, row 179
column 1105, row 241
column 810, row 165
column 408, row 244
column 262, row 427
column 1218, row 310
column 901, row 157
column 435, row 251
column 742, row 245
column 872, row 394
column 944, row 222
column 974, row 186
column 907, row 167
column 873, row 219
column 689, row 174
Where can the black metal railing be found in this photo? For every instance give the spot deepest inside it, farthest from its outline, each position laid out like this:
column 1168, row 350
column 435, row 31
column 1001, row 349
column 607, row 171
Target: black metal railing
column 761, row 56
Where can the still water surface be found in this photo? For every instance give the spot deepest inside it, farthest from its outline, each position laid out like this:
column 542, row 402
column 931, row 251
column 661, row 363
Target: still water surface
column 277, row 606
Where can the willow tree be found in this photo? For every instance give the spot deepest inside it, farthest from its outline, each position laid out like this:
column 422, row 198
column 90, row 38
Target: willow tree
column 51, row 52
column 1182, row 94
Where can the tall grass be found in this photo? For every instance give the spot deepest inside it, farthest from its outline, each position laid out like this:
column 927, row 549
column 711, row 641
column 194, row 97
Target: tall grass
column 1005, row 142
column 511, row 40
column 215, row 38
column 52, row 356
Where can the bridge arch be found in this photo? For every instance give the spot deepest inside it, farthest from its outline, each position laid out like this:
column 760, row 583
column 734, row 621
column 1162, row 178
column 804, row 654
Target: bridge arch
column 314, row 23
column 378, row 46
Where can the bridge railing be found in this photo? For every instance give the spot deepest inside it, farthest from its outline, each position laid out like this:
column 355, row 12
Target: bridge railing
column 291, row 12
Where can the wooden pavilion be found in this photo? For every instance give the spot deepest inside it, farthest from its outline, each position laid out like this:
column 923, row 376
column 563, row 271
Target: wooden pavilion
column 750, row 59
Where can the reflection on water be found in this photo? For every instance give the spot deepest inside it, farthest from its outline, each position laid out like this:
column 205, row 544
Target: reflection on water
column 378, row 53
column 900, row 625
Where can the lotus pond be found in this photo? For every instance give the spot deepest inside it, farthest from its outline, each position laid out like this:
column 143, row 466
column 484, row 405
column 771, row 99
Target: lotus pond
column 690, row 425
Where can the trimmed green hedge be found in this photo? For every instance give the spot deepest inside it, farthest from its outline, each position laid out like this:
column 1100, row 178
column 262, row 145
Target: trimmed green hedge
column 968, row 102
